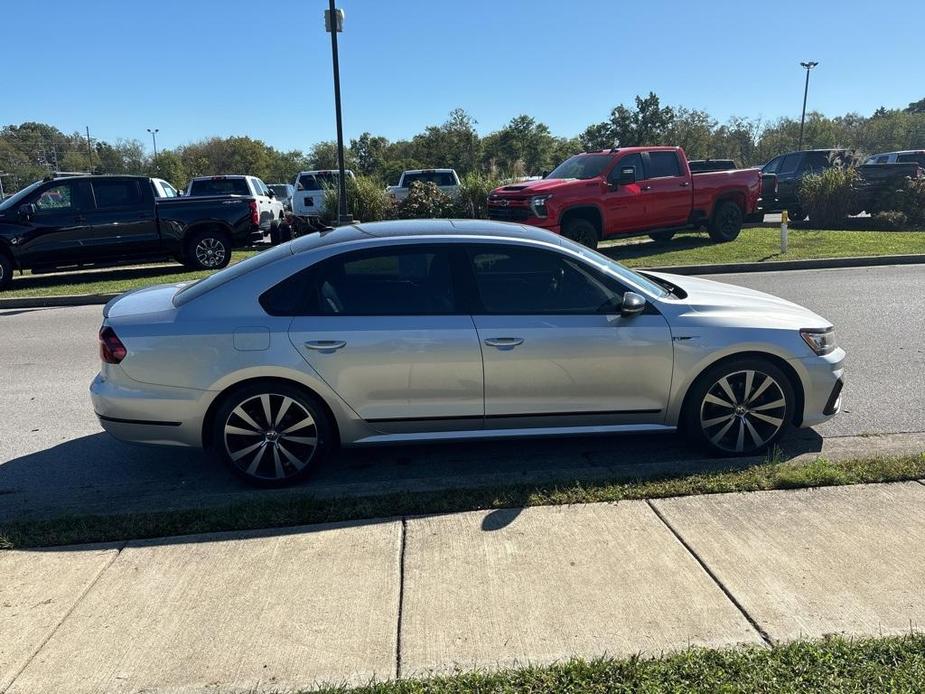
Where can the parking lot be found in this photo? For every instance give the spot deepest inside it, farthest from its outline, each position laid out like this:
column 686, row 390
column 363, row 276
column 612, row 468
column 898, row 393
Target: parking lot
column 54, row 457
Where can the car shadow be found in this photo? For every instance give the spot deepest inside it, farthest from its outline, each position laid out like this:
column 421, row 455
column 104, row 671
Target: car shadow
column 78, row 278
column 653, row 249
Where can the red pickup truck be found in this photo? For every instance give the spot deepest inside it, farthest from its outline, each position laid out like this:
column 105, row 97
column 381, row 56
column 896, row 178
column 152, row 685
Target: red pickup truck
column 631, row 190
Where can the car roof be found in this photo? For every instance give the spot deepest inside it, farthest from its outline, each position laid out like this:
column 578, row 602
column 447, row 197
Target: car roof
column 407, row 171
column 452, row 227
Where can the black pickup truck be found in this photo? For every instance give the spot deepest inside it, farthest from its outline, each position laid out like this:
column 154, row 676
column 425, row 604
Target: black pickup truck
column 86, row 221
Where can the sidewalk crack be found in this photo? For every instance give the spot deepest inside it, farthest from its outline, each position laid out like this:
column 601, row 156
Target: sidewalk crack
column 728, row 593
column 54, row 629
column 401, row 595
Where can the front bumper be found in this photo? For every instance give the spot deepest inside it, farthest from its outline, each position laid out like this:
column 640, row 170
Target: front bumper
column 823, row 378
column 142, row 413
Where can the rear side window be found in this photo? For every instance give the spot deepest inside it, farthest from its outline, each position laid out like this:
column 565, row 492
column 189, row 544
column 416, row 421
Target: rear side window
column 219, row 186
column 916, row 158
column 663, row 165
column 117, row 193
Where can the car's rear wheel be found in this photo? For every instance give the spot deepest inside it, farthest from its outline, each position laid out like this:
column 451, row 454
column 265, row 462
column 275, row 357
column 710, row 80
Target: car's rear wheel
column 661, row 236
column 727, row 222
column 274, row 233
column 581, row 231
column 271, row 434
column 6, row 270
column 208, row 250
column 740, row 408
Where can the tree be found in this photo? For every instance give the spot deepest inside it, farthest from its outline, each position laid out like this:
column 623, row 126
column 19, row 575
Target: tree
column 453, row 144
column 916, row 106
column 369, row 153
column 522, row 140
column 323, row 155
column 646, row 124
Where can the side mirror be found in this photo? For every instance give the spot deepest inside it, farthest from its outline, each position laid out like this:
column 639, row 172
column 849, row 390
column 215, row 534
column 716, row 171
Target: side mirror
column 544, row 174
column 27, row 211
column 632, row 305
column 270, row 193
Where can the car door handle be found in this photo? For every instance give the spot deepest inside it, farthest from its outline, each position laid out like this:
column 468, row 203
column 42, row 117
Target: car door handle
column 504, row 342
column 326, row 345
column 685, row 184
column 646, row 188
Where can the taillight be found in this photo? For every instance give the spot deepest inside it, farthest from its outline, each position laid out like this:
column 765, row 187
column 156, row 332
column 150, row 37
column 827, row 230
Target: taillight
column 255, row 215
column 112, row 351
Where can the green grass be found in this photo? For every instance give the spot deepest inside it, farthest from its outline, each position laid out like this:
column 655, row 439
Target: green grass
column 754, row 245
column 833, row 665
column 762, row 244
column 107, row 281
column 301, row 508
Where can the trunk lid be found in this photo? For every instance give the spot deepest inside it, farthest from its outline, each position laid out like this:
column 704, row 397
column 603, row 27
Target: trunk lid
column 156, row 299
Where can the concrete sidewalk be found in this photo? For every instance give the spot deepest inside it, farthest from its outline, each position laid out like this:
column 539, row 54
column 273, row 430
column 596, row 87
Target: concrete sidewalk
column 280, row 609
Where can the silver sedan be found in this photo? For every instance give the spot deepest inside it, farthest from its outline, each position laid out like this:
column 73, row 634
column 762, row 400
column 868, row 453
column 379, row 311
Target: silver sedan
column 438, row 330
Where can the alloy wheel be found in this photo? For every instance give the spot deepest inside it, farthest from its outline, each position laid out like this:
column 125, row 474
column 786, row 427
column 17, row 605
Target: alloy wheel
column 742, row 411
column 270, row 437
column 210, row 252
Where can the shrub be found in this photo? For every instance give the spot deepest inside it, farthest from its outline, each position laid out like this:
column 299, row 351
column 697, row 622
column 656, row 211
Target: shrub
column 909, row 198
column 473, row 194
column 828, row 197
column 890, row 220
column 425, row 201
column 367, row 200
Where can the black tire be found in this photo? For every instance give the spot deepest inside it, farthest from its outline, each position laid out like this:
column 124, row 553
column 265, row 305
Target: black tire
column 796, row 215
column 207, row 250
column 754, row 421
column 295, row 455
column 6, row 270
column 727, row 222
column 661, row 236
column 285, row 232
column 581, row 231
column 274, row 233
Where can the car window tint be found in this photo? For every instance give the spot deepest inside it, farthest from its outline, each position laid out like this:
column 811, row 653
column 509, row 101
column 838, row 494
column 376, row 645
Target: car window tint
column 772, row 166
column 634, row 160
column 818, row 161
column 527, row 281
column 117, row 193
column 219, row 186
column 790, row 163
column 318, row 181
column 915, row 158
column 388, row 282
column 439, row 178
column 59, row 197
column 884, row 159
column 663, row 165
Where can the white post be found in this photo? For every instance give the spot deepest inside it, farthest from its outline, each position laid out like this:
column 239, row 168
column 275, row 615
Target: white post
column 783, row 231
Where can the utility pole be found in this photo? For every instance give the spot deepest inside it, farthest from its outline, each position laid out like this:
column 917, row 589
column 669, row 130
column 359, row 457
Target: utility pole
column 334, row 22
column 89, row 152
column 154, row 138
column 809, row 66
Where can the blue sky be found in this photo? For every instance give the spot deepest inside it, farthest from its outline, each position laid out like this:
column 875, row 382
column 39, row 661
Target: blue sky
column 195, row 68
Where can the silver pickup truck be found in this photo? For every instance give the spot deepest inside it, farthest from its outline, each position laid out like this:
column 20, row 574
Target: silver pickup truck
column 445, row 179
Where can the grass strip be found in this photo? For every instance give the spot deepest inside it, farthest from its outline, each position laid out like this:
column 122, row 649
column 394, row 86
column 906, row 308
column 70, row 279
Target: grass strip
column 302, row 508
column 755, row 245
column 835, row 665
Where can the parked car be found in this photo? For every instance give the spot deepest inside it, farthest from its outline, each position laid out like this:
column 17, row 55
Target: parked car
column 908, row 156
column 310, row 186
column 270, row 209
column 438, row 330
column 283, row 193
column 599, row 195
column 445, row 179
column 83, row 221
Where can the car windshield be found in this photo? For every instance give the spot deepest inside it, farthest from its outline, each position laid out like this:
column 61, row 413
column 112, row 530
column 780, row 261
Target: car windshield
column 15, row 199
column 581, row 166
column 219, row 186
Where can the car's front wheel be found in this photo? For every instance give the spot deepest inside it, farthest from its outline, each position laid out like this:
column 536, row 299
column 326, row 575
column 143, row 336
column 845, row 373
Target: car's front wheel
column 271, row 434
column 582, row 231
column 740, row 407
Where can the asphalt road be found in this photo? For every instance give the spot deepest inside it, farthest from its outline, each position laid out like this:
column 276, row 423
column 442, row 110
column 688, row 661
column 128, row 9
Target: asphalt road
column 54, row 458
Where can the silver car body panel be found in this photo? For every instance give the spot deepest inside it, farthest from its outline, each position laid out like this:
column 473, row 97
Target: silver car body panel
column 440, row 377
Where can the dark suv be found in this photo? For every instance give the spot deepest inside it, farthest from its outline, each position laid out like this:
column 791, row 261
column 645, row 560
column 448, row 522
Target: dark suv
column 790, row 169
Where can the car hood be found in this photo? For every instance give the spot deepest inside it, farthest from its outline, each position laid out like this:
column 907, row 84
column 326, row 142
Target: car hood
column 545, row 185
column 718, row 299
column 156, row 299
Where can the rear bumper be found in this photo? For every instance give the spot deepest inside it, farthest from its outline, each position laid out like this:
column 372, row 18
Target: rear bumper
column 823, row 378
column 143, row 413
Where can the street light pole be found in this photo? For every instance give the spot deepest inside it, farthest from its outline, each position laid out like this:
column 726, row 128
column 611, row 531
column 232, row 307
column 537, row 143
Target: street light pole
column 154, row 138
column 809, row 66
column 333, row 25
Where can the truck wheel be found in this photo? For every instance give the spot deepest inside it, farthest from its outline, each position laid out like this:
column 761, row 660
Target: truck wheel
column 274, row 233
column 796, row 215
column 6, row 270
column 726, row 223
column 208, row 250
column 661, row 236
column 581, row 231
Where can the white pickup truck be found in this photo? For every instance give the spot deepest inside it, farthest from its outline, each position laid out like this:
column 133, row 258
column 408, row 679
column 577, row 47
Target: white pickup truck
column 445, row 179
column 308, row 200
column 269, row 208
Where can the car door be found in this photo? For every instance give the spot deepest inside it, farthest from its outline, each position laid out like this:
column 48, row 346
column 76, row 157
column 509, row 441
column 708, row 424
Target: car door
column 122, row 219
column 556, row 351
column 667, row 190
column 624, row 204
column 788, row 178
column 383, row 328
column 57, row 232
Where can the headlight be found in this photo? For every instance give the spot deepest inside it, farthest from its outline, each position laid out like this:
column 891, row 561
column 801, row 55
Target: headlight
column 820, row 340
column 538, row 205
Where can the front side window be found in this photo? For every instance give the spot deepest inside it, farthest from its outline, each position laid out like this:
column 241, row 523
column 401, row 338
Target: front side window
column 384, row 282
column 632, row 160
column 663, row 165
column 790, row 163
column 528, row 281
column 117, row 193
column 772, row 166
column 60, row 197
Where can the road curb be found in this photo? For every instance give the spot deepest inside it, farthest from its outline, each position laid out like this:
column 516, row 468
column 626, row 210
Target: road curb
column 713, row 269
